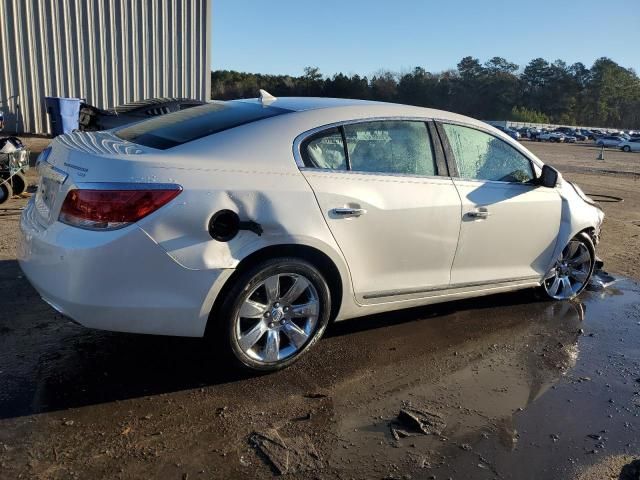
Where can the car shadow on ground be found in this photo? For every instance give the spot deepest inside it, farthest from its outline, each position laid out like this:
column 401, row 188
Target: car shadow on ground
column 49, row 363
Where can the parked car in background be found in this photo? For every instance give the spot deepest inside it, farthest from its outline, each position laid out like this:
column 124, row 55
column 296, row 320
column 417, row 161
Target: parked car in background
column 570, row 134
column 509, row 131
column 632, row 145
column 529, row 132
column 587, row 133
column 609, row 141
column 92, row 118
column 550, row 137
column 259, row 221
column 523, row 131
column 578, row 135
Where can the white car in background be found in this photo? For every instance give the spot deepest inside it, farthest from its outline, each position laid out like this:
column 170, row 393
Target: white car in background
column 550, row 137
column 632, row 145
column 256, row 222
column 609, row 141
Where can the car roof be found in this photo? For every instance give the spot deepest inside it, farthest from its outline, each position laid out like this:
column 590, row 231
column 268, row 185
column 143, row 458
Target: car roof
column 301, row 104
column 308, row 104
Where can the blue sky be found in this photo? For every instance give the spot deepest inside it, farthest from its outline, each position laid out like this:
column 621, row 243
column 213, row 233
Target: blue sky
column 359, row 36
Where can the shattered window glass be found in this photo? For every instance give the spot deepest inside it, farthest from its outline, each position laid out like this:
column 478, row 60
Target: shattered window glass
column 481, row 156
column 390, row 147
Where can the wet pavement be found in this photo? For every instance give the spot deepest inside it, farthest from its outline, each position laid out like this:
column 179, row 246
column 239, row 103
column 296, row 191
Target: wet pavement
column 506, row 386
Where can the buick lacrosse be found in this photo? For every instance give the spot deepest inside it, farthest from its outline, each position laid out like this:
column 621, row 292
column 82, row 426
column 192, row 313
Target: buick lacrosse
column 256, row 222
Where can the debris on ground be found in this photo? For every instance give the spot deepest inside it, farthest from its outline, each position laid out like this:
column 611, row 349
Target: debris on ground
column 399, row 433
column 415, row 421
column 600, row 280
column 316, row 395
column 287, row 455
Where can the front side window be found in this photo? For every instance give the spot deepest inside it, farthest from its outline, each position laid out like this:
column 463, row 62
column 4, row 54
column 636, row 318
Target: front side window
column 393, row 146
column 481, row 156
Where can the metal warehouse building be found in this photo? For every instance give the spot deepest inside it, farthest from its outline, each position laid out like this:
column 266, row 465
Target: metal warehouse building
column 108, row 52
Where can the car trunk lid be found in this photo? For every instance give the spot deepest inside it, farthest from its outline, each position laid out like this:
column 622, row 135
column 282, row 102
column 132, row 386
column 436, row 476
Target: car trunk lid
column 85, row 157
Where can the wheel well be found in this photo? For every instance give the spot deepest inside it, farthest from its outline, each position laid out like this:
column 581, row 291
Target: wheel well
column 314, row 256
column 591, row 232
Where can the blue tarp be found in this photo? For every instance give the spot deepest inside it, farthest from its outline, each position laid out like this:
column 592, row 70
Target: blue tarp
column 63, row 114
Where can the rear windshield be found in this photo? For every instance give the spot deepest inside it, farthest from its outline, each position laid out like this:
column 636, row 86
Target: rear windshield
column 177, row 128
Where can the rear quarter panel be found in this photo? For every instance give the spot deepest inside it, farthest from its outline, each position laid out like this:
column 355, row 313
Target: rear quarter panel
column 249, row 170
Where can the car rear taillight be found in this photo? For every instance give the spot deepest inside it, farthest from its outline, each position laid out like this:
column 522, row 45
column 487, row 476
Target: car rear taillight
column 98, row 209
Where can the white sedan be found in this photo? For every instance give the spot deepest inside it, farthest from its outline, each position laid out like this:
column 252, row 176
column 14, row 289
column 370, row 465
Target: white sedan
column 632, row 145
column 257, row 222
column 609, row 141
column 550, row 137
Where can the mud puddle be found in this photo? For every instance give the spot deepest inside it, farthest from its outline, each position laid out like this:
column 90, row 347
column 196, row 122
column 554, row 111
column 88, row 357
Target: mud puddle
column 505, row 387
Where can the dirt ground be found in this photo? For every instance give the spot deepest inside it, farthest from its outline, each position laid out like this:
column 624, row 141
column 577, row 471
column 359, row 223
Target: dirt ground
column 503, row 387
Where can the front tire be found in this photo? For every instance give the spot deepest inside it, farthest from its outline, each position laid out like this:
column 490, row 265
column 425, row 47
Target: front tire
column 274, row 313
column 571, row 272
column 626, row 148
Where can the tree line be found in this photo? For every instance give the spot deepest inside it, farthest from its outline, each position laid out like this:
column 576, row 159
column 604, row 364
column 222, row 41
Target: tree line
column 605, row 95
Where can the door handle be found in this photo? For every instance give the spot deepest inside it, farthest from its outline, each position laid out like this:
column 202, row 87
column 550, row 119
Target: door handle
column 479, row 213
column 348, row 212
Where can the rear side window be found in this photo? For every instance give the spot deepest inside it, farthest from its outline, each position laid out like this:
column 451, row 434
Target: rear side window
column 481, row 156
column 184, row 126
column 390, row 147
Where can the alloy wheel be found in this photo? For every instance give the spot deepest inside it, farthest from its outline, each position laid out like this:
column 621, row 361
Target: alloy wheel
column 570, row 273
column 277, row 318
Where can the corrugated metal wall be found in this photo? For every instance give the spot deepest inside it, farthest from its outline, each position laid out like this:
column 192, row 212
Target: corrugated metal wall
column 108, row 52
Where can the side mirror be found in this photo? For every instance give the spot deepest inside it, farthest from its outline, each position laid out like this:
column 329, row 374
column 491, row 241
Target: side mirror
column 548, row 177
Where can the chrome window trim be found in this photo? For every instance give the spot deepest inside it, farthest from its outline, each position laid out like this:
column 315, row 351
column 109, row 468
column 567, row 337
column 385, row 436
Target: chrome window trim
column 127, row 186
column 297, row 143
column 375, row 174
column 496, row 182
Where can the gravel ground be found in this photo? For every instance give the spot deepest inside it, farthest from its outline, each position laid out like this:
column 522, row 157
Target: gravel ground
column 506, row 386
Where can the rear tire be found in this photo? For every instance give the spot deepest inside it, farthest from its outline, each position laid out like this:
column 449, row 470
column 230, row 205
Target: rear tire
column 6, row 192
column 571, row 272
column 626, row 148
column 274, row 312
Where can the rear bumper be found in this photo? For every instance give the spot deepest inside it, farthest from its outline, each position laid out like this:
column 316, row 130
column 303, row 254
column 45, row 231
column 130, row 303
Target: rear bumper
column 119, row 280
